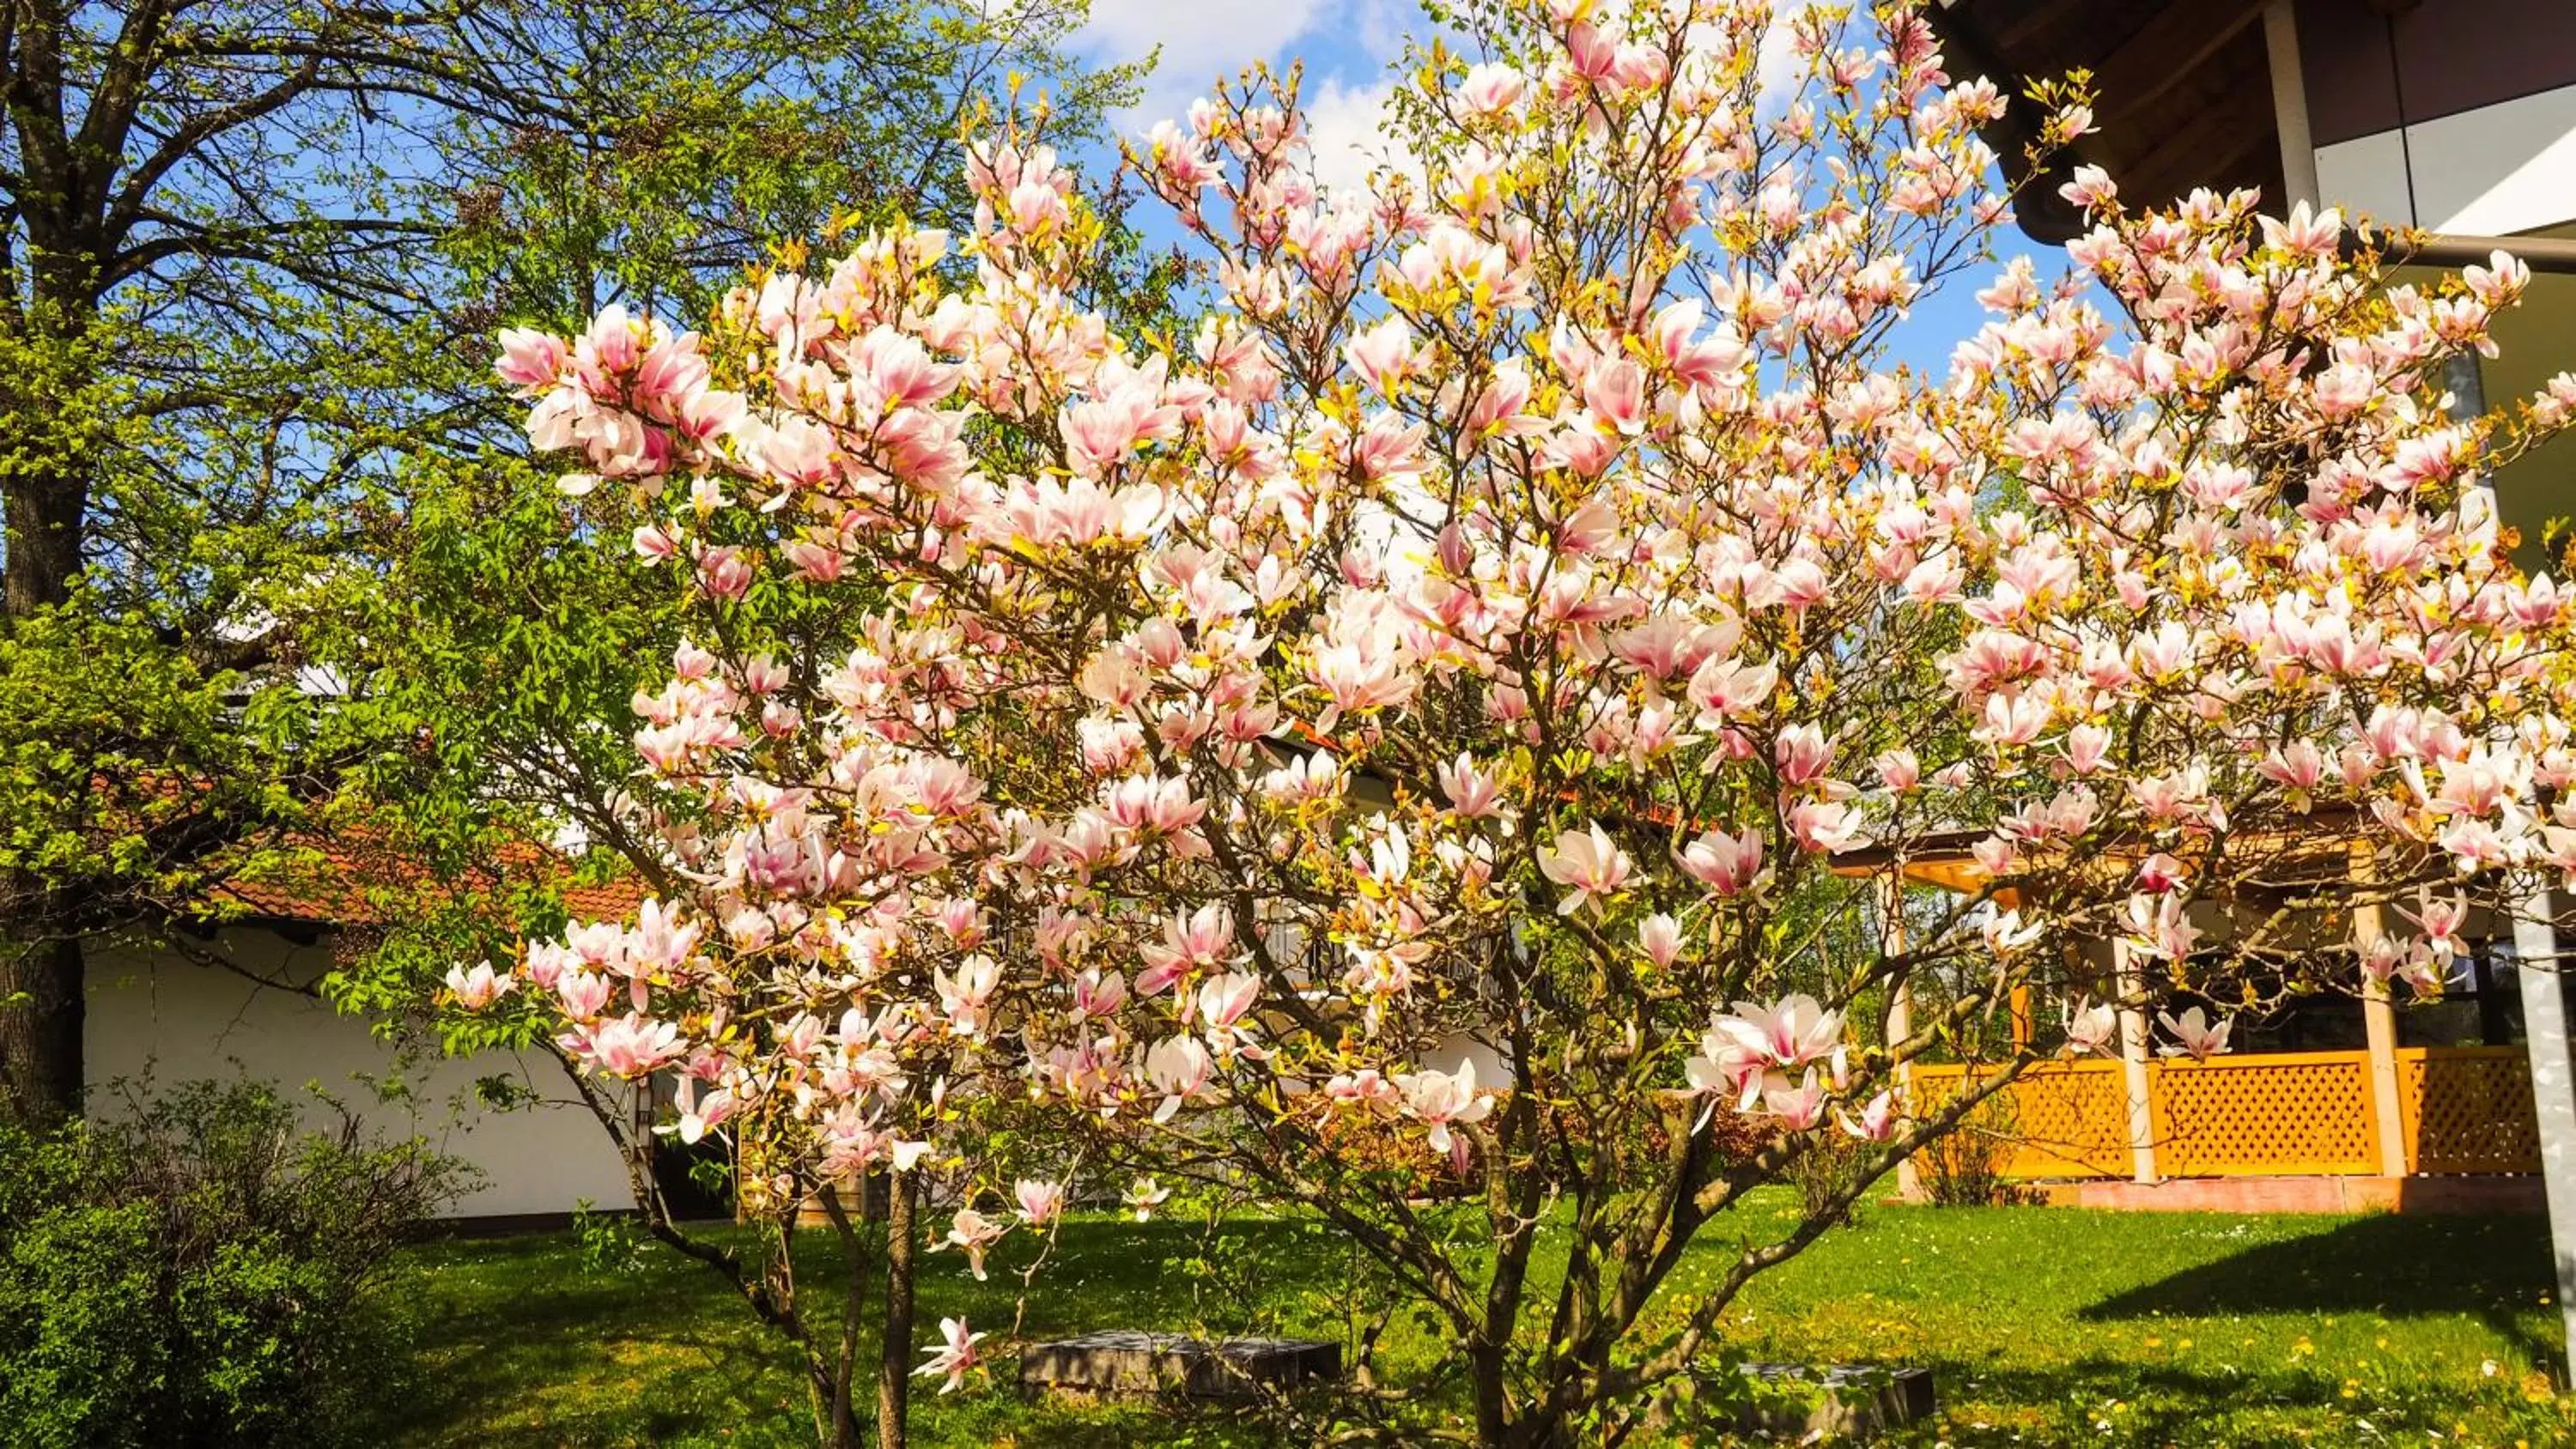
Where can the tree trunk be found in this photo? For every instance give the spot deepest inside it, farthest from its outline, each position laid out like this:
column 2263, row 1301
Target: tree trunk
column 42, row 1008
column 894, row 1362
column 44, row 516
column 41, row 977
column 1493, row 1404
column 841, row 1429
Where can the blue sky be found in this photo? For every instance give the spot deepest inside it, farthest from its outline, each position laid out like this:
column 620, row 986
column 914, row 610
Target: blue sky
column 1347, row 46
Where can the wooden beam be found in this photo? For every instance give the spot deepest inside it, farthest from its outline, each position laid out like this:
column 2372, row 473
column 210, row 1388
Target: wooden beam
column 2137, row 1080
column 2452, row 249
column 2178, row 162
column 2283, row 68
column 1900, row 1019
column 2379, row 1021
column 2182, row 36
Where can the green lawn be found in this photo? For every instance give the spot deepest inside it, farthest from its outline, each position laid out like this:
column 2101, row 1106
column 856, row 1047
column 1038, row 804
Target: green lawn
column 2042, row 1326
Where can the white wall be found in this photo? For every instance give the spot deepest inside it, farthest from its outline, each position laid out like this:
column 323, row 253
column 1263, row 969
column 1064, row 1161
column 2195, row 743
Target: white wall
column 176, row 1020
column 2495, row 170
column 1491, row 1069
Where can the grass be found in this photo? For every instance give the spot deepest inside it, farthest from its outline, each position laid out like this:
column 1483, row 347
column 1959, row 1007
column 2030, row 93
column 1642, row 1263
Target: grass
column 2042, row 1326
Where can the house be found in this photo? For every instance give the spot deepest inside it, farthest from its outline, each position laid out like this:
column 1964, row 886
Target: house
column 2456, row 119
column 2327, row 1101
column 236, row 999
column 2454, row 116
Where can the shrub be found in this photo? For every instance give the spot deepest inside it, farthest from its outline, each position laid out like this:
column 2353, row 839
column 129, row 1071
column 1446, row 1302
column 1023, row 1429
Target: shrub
column 1965, row 1168
column 1828, row 1168
column 202, row 1274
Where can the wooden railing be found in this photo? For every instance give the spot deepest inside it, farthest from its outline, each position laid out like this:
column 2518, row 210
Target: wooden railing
column 2461, row 1109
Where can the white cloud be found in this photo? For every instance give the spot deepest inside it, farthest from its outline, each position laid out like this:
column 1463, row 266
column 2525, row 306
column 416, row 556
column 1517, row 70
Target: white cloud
column 1777, row 66
column 1346, row 127
column 1200, row 41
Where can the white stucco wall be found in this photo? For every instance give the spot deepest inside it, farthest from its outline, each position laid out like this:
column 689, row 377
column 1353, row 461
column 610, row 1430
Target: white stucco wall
column 1491, row 1069
column 2491, row 171
column 173, row 1020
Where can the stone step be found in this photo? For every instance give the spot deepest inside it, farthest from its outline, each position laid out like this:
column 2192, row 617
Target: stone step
column 1852, row 1400
column 1124, row 1363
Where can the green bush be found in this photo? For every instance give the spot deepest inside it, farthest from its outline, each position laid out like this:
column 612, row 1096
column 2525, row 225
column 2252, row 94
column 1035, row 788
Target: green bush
column 202, row 1274
column 1965, row 1167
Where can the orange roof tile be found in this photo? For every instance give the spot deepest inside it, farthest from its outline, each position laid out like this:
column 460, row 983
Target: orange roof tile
column 360, row 878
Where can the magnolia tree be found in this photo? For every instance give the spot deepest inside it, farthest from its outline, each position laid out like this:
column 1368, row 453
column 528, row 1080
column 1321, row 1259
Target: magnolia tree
column 1481, row 684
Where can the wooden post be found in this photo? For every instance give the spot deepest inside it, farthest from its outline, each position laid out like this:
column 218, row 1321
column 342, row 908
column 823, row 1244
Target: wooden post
column 2290, row 105
column 2553, row 1084
column 1900, row 1011
column 2538, row 962
column 2379, row 1023
column 2130, row 986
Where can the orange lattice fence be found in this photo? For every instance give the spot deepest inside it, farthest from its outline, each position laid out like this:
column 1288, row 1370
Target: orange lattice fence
column 2285, row 1114
column 2067, row 1119
column 2468, row 1109
column 2462, row 1110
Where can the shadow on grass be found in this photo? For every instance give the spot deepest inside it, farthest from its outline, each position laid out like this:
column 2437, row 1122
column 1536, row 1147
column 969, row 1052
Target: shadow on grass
column 2397, row 1267
column 2172, row 1404
column 661, row 1351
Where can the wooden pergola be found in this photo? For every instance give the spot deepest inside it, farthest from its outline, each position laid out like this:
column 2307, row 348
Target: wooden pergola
column 2385, row 1112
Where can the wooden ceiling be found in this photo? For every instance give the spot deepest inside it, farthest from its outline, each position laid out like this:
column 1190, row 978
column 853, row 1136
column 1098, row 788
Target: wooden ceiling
column 2182, row 94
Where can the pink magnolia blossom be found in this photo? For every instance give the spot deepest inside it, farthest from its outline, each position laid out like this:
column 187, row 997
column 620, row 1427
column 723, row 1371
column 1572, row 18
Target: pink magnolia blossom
column 2193, row 1035
column 1898, row 770
column 1724, row 1069
column 479, row 986
column 1041, row 1201
column 629, row 1046
column 1181, row 1067
column 974, row 1234
column 1799, row 1107
column 955, row 1357
column 1824, row 827
column 1589, row 865
column 1200, row 941
column 1803, row 754
column 1471, row 791
column 1793, row 1032
column 1729, row 689
column 1442, row 1100
column 1366, row 1087
column 1490, row 89
column 2093, row 1028
column 1143, row 1196
column 1659, row 939
column 1726, row 864
column 1877, row 1122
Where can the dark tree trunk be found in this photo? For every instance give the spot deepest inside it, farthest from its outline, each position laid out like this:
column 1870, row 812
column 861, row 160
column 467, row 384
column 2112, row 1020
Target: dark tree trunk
column 41, row 976
column 1492, row 1398
column 42, row 1007
column 44, row 518
column 41, row 980
column 894, row 1364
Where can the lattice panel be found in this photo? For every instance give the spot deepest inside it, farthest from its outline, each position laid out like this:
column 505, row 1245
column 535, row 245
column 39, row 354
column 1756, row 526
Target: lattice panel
column 2266, row 1114
column 2073, row 1122
column 2068, row 1120
column 2468, row 1109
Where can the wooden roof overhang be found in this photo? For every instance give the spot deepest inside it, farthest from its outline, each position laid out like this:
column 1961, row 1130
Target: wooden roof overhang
column 2182, row 95
column 2325, row 846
